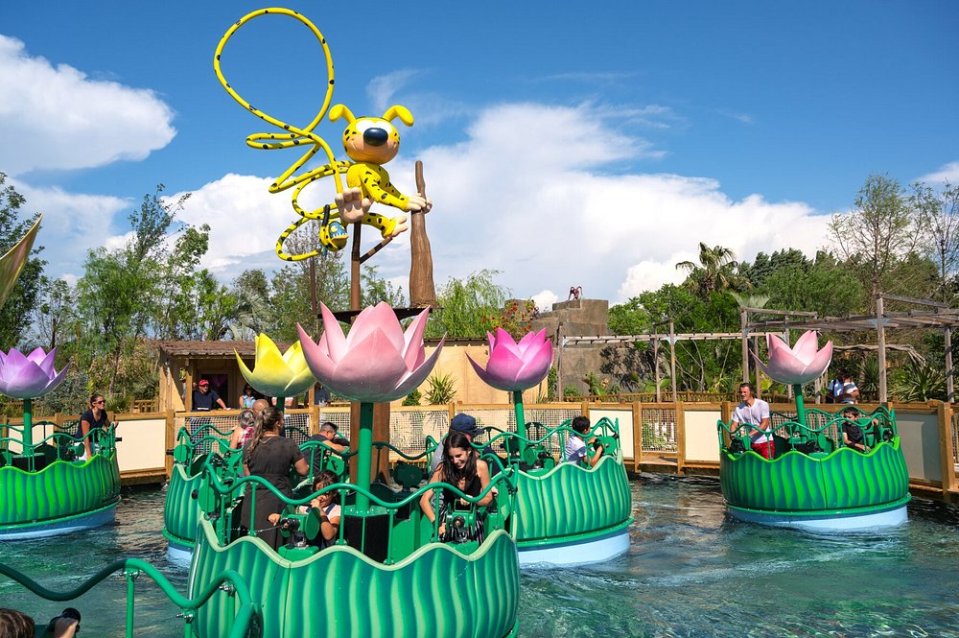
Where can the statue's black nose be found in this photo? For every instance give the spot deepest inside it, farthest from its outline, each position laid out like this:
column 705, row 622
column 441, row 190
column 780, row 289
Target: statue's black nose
column 375, row 136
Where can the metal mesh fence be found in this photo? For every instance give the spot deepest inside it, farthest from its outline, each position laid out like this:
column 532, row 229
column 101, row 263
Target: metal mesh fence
column 659, row 429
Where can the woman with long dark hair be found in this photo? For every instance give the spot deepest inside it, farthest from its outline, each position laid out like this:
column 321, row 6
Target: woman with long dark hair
column 462, row 468
column 273, row 458
column 94, row 419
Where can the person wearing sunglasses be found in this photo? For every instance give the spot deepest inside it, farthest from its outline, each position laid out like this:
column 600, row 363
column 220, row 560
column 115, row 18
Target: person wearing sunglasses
column 93, row 419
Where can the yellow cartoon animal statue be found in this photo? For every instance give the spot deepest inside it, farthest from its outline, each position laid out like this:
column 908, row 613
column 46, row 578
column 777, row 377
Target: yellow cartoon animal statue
column 369, row 143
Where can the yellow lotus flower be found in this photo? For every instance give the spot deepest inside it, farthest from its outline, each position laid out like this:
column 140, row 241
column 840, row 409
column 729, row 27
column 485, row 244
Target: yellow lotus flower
column 275, row 374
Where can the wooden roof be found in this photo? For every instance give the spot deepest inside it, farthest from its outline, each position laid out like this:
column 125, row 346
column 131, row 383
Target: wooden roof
column 247, row 349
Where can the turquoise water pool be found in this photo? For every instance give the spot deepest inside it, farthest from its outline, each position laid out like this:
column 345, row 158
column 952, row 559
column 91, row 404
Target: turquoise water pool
column 690, row 571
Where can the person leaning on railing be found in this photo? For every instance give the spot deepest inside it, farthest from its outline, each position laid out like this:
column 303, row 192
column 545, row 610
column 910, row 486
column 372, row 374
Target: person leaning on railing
column 94, row 419
column 755, row 413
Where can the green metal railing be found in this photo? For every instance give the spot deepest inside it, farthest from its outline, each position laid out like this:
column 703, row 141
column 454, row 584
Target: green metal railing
column 821, row 433
column 547, row 445
column 219, row 498
column 56, row 446
column 246, row 624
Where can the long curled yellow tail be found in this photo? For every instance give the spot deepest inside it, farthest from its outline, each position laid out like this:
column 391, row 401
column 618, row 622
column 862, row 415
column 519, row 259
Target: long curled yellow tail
column 332, row 234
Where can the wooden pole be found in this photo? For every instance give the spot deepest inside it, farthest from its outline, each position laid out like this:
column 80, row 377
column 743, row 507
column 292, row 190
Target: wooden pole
column 881, row 332
column 659, row 398
column 789, row 387
column 743, row 320
column 422, row 289
column 759, row 385
column 950, row 390
column 672, row 357
column 355, row 263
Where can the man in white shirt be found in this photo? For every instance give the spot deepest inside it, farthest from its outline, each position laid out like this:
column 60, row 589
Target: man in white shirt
column 754, row 412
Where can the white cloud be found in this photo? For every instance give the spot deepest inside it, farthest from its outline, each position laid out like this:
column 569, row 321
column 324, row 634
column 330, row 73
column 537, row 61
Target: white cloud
column 382, row 88
column 528, row 194
column 245, row 220
column 947, row 173
column 544, row 300
column 64, row 120
column 73, row 223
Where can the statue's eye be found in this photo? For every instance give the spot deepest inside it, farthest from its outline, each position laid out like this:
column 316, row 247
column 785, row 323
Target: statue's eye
column 371, row 122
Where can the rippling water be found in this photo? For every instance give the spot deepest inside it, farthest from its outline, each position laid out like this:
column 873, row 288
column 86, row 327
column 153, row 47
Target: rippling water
column 690, row 572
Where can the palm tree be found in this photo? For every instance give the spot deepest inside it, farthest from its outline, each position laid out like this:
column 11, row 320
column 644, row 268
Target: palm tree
column 715, row 270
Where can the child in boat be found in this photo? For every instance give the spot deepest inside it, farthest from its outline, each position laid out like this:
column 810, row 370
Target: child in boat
column 852, row 434
column 576, row 445
column 323, row 507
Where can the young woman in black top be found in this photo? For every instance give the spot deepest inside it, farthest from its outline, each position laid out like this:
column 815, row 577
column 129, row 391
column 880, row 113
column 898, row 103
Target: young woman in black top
column 461, row 467
column 93, row 418
column 272, row 457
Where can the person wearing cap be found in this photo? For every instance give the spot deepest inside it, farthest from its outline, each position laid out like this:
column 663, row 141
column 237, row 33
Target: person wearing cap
column 465, row 424
column 204, row 398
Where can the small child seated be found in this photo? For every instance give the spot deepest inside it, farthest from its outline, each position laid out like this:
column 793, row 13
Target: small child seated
column 852, row 434
column 576, row 451
column 323, row 507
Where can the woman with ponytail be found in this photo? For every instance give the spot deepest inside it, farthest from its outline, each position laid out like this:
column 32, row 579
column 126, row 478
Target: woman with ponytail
column 272, row 457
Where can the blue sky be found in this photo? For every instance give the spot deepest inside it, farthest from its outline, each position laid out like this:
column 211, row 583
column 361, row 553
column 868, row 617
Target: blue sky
column 591, row 144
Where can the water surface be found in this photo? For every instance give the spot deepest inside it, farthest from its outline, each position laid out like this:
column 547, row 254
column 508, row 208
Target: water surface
column 691, row 571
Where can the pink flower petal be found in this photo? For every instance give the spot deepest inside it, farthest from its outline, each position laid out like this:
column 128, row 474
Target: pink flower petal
column 379, row 318
column 335, row 340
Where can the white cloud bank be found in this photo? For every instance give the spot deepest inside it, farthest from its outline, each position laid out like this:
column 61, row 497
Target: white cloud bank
column 56, row 118
column 530, row 194
column 949, row 173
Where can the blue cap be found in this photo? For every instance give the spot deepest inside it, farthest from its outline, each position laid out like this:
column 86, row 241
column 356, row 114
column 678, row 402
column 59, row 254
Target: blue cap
column 466, row 424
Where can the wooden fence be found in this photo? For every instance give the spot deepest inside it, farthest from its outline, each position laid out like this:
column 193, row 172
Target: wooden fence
column 676, row 437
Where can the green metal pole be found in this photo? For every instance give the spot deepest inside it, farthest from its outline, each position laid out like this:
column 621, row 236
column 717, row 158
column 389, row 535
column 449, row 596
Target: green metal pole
column 520, row 417
column 27, row 427
column 131, row 575
column 800, row 405
column 364, row 457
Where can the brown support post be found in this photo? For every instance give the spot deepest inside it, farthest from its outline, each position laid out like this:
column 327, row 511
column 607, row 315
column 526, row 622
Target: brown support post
column 314, row 418
column 656, row 366
column 188, row 388
column 946, row 453
column 584, row 409
column 672, row 357
column 881, row 333
column 637, row 435
column 680, row 438
column 759, row 383
column 726, row 414
column 743, row 321
column 950, row 389
column 170, row 440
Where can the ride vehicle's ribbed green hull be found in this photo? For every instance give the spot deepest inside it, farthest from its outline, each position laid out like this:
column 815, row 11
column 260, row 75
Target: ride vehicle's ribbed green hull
column 803, row 488
column 62, row 497
column 181, row 512
column 572, row 514
column 435, row 591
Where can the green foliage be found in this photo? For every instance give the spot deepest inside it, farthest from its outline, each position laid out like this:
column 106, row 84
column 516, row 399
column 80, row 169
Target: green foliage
column 824, row 286
column 552, row 379
column 919, row 381
column 716, row 270
column 18, row 309
column 629, row 318
column 632, row 366
column 470, row 308
column 413, row 398
column 442, row 389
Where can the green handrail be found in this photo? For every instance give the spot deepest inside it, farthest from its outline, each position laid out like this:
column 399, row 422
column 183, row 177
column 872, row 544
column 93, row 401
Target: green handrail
column 246, row 624
column 884, row 418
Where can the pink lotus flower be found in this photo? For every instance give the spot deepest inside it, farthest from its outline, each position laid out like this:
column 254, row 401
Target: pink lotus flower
column 801, row 363
column 31, row 376
column 515, row 366
column 376, row 362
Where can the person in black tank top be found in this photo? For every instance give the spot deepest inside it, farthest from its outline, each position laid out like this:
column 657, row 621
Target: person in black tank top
column 462, row 468
column 94, row 419
column 273, row 458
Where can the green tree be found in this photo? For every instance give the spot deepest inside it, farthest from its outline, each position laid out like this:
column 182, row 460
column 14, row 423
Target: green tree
column 20, row 305
column 939, row 211
column 883, row 227
column 468, row 308
column 716, row 270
